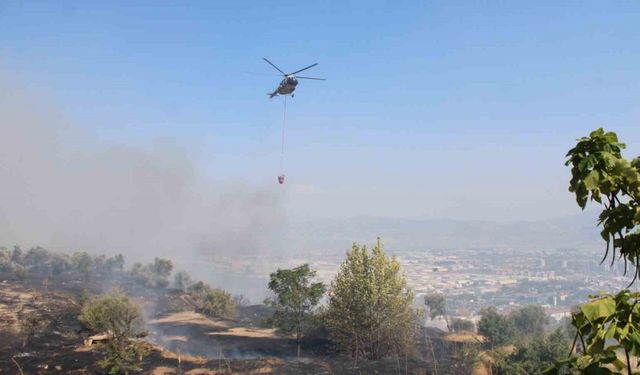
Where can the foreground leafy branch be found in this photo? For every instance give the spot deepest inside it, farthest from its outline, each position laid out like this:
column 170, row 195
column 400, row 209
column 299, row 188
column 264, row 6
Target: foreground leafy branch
column 607, row 327
column 608, row 333
column 601, row 174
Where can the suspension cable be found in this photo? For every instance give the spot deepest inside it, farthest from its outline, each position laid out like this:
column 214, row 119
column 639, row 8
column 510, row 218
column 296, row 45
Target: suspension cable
column 284, row 123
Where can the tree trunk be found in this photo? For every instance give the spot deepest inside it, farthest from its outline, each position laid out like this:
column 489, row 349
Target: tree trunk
column 298, row 334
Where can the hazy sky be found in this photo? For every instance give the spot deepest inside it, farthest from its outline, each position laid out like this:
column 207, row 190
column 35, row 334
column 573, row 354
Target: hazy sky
column 433, row 109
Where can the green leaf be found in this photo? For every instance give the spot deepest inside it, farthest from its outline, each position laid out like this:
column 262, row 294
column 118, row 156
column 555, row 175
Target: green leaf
column 596, row 133
column 592, row 180
column 594, row 369
column 598, row 309
column 553, row 370
column 624, row 331
column 611, row 331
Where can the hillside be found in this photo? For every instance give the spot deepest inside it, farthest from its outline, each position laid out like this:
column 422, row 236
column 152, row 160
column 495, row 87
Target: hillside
column 42, row 334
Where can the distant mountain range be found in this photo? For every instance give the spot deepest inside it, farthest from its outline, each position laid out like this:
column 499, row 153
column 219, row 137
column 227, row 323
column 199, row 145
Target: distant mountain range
column 336, row 235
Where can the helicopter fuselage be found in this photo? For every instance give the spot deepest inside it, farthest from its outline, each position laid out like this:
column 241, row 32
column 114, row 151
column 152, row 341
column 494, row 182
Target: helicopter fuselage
column 287, row 86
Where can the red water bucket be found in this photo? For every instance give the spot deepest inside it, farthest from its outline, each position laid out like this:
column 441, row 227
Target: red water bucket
column 281, row 179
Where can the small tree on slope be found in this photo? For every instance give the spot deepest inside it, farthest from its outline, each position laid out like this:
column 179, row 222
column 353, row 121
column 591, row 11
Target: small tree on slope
column 115, row 315
column 295, row 298
column 371, row 312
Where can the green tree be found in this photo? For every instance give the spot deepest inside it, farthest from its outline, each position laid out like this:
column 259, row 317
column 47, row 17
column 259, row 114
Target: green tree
column 241, row 300
column 115, row 315
column 460, row 325
column 82, row 263
column 198, row 288
column 608, row 324
column 532, row 356
column 295, row 298
column 529, row 320
column 16, row 256
column 118, row 262
column 60, row 263
column 437, row 304
column 100, row 264
column 155, row 274
column 212, row 301
column 371, row 312
column 5, row 260
column 495, row 327
column 37, row 259
column 162, row 267
column 30, row 323
column 182, row 281
column 218, row 303
column 20, row 272
column 114, row 263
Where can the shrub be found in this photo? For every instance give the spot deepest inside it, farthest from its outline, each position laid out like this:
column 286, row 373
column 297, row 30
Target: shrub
column 115, row 315
column 218, row 303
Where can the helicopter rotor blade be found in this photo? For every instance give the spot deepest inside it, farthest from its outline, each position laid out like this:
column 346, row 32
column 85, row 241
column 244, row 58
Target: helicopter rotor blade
column 317, row 79
column 262, row 74
column 272, row 64
column 298, row 71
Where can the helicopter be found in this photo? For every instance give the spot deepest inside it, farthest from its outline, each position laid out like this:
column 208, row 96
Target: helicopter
column 290, row 81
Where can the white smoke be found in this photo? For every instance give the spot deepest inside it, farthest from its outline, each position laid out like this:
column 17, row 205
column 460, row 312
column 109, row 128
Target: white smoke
column 64, row 188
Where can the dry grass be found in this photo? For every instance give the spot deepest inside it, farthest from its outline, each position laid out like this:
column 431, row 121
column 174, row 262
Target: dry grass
column 464, row 338
column 485, row 360
column 176, row 338
column 13, row 301
column 163, row 370
column 82, row 348
column 190, row 317
column 266, row 368
column 183, row 357
column 480, row 369
column 247, row 332
column 202, row 371
column 507, row 349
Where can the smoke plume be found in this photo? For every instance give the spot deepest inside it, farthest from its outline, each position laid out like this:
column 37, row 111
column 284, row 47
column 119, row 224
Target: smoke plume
column 64, row 188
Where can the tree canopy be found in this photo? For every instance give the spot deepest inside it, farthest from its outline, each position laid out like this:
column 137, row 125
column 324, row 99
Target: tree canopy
column 371, row 312
column 295, row 298
column 529, row 320
column 498, row 329
column 437, row 305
